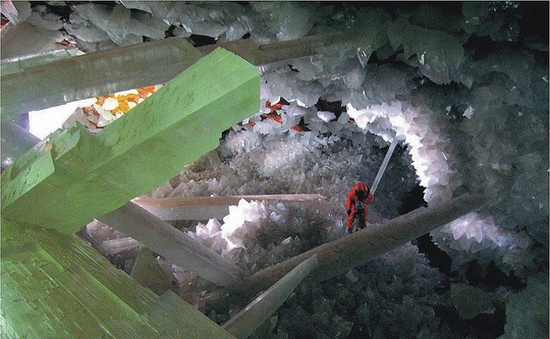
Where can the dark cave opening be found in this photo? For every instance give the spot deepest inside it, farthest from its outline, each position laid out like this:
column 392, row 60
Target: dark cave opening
column 487, row 326
column 489, row 277
column 438, row 258
column 202, row 40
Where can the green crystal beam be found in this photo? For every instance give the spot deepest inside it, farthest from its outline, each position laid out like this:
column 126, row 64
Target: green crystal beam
column 33, row 83
column 67, row 180
column 56, row 286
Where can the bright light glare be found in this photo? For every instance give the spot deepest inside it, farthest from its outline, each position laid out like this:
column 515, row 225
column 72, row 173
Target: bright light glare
column 44, row 122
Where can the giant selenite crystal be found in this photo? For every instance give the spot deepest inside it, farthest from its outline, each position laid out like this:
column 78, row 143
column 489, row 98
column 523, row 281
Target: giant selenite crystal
column 54, row 285
column 73, row 176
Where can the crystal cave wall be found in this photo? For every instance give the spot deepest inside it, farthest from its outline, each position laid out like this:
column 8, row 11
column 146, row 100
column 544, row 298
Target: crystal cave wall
column 462, row 86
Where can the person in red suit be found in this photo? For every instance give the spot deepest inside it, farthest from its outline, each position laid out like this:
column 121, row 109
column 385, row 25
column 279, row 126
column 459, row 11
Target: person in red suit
column 358, row 199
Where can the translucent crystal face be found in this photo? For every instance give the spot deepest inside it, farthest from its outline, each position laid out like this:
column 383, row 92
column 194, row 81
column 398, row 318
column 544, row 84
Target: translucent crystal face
column 463, row 87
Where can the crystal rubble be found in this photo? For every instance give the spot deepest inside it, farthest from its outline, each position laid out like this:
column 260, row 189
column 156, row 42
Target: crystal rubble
column 176, row 246
column 70, row 161
column 55, row 285
column 260, row 309
column 341, row 255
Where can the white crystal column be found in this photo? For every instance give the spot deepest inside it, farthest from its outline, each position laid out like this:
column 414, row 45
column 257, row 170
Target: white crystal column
column 259, row 310
column 202, row 208
column 339, row 256
column 383, row 166
column 94, row 74
column 172, row 244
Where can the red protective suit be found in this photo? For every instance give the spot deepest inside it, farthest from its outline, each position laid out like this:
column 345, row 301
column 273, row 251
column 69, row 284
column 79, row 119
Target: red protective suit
column 360, row 192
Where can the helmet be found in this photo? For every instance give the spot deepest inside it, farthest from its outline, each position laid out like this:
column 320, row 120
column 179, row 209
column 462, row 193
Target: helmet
column 362, row 190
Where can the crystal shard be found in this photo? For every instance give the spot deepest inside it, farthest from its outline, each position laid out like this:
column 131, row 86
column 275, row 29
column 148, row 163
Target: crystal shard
column 471, row 301
column 148, row 272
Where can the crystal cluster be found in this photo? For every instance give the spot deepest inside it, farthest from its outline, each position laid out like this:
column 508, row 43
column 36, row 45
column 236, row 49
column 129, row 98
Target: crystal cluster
column 107, row 108
column 418, row 127
column 476, row 237
column 93, row 26
column 462, row 90
column 483, row 133
column 500, row 149
column 239, row 223
column 366, row 302
column 267, row 233
column 97, row 23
